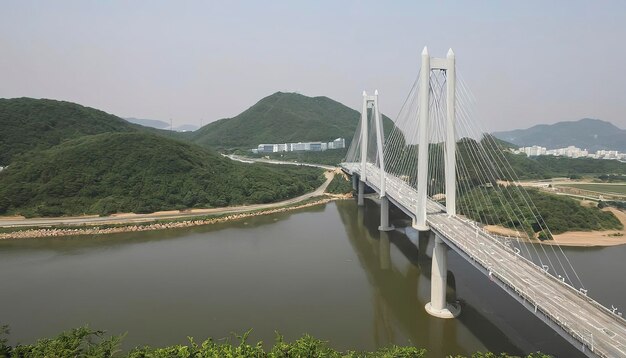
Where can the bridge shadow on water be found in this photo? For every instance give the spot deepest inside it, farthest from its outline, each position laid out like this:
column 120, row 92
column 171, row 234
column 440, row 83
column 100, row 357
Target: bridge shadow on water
column 398, row 267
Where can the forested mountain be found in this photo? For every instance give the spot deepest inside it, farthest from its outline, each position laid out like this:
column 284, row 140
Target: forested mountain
column 139, row 172
column 282, row 118
column 30, row 124
column 592, row 134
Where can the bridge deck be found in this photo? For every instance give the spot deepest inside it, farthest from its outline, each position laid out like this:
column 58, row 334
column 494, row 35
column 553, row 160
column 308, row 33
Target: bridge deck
column 578, row 318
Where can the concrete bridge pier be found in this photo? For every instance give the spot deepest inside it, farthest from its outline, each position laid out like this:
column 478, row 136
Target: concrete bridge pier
column 355, row 182
column 361, row 192
column 438, row 306
column 384, row 215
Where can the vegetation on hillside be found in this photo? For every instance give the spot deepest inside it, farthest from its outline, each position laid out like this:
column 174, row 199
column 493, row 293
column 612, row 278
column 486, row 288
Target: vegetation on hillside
column 282, row 118
column 140, row 172
column 339, row 185
column 511, row 208
column 546, row 166
column 28, row 124
column 84, row 342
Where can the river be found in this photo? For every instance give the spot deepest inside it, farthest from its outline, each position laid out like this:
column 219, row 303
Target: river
column 325, row 270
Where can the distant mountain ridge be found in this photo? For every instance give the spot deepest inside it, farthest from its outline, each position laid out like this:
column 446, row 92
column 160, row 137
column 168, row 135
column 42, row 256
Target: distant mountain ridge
column 158, row 124
column 587, row 133
column 154, row 123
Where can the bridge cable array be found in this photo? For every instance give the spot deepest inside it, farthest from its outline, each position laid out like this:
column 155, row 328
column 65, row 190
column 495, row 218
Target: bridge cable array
column 488, row 189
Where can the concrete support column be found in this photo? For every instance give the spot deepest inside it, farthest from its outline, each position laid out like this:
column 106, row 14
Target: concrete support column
column 355, row 182
column 360, row 200
column 384, row 215
column 438, row 282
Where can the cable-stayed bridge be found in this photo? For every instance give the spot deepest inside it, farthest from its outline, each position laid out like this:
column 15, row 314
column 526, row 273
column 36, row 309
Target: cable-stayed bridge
column 440, row 169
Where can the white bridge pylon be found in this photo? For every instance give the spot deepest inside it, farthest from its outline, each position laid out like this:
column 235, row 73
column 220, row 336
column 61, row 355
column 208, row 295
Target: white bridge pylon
column 447, row 65
column 371, row 103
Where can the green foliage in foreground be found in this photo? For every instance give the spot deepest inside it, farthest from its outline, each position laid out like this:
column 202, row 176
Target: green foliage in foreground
column 84, row 342
column 511, row 208
column 139, row 172
column 339, row 185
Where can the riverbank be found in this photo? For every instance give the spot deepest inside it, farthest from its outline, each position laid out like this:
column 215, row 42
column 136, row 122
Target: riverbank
column 161, row 225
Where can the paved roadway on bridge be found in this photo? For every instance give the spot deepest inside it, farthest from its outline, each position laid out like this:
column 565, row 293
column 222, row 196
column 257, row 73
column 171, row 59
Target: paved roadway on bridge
column 578, row 315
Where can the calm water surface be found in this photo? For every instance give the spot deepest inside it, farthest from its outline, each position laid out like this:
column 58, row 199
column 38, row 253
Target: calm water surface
column 326, row 271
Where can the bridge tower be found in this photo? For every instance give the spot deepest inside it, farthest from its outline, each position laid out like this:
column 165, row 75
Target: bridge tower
column 372, row 102
column 448, row 65
column 437, row 306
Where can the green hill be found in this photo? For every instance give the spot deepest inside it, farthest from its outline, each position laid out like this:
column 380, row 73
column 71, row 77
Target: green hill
column 281, row 118
column 29, row 124
column 139, row 172
column 592, row 134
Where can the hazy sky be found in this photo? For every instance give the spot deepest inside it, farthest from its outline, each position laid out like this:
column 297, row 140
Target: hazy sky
column 526, row 62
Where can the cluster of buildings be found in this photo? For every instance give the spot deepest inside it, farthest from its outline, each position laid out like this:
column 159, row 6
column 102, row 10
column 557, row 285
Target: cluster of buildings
column 571, row 152
column 295, row 147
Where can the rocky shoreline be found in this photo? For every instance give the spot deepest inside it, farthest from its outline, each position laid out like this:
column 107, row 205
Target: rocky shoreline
column 54, row 232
